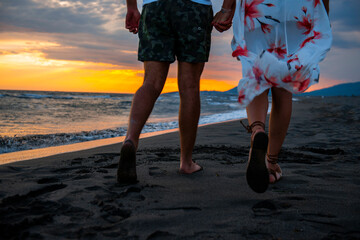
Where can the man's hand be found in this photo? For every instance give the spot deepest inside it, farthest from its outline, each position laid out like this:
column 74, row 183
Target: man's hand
column 132, row 20
column 223, row 20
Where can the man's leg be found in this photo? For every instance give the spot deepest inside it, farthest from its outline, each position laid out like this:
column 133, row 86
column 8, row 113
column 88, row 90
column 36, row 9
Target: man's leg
column 189, row 112
column 278, row 124
column 142, row 105
column 145, row 97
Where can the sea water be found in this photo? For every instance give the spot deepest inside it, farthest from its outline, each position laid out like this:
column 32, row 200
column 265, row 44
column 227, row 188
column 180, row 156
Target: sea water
column 34, row 119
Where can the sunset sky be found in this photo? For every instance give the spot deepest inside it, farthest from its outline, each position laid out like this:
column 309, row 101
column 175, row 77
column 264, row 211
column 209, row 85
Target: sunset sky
column 83, row 46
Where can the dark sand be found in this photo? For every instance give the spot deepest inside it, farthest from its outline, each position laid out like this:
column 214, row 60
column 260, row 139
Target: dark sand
column 75, row 195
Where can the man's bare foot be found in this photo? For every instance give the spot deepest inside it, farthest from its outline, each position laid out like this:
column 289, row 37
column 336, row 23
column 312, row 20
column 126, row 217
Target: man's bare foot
column 190, row 168
column 126, row 172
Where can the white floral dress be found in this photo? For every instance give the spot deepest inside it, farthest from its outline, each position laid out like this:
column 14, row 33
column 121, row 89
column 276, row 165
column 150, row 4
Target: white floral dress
column 280, row 44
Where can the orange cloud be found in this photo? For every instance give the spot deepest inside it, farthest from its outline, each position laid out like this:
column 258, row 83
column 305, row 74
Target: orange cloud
column 24, row 66
column 31, row 70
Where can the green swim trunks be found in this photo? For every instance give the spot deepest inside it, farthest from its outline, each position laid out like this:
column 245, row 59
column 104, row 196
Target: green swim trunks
column 170, row 28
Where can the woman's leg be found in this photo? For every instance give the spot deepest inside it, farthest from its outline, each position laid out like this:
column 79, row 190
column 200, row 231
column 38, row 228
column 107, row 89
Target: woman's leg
column 257, row 175
column 278, row 124
column 257, row 110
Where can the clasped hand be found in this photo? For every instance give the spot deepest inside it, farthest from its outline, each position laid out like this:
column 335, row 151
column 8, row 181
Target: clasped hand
column 223, row 20
column 132, row 20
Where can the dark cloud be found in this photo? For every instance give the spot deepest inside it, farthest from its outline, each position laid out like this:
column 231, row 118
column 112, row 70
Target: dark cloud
column 39, row 18
column 344, row 42
column 345, row 23
column 345, row 13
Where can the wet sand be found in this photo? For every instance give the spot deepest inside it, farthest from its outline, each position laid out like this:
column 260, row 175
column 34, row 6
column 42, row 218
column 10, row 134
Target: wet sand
column 76, row 196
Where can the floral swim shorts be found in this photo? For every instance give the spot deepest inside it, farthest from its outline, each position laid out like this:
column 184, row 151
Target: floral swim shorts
column 170, row 28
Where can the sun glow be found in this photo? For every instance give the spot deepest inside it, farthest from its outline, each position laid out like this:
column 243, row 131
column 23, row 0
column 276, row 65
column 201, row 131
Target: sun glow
column 30, row 70
column 24, row 65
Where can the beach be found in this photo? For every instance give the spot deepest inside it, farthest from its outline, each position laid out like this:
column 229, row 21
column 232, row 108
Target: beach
column 75, row 195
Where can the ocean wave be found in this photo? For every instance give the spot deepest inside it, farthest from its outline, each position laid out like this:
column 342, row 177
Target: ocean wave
column 19, row 143
column 221, row 117
column 94, row 96
column 35, row 96
column 55, row 96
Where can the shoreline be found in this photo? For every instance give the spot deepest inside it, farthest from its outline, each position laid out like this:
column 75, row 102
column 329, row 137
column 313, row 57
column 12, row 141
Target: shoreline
column 25, row 155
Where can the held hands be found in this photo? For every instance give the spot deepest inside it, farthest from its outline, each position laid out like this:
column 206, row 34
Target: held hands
column 132, row 20
column 223, row 19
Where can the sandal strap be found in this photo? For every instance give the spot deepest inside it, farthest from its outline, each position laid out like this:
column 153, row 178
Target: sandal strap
column 254, row 124
column 273, row 159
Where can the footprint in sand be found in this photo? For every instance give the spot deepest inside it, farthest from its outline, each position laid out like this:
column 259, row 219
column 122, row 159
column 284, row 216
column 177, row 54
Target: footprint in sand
column 47, row 180
column 156, row 172
column 160, row 235
column 114, row 214
column 33, row 193
column 321, row 218
column 265, row 208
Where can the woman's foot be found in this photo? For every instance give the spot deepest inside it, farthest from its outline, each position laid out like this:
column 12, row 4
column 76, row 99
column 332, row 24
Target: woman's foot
column 257, row 174
column 275, row 172
column 190, row 168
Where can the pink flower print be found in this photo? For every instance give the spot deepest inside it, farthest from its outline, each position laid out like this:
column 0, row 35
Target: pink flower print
column 251, row 12
column 239, row 51
column 306, row 23
column 317, row 35
column 304, row 84
column 293, row 59
column 257, row 73
column 316, row 2
column 269, row 4
column 265, row 27
column 287, row 79
column 271, row 80
column 280, row 50
column 298, row 68
column 304, row 9
column 241, row 96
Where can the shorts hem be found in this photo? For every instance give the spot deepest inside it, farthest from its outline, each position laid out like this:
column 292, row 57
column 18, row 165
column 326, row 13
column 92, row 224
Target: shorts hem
column 193, row 61
column 156, row 60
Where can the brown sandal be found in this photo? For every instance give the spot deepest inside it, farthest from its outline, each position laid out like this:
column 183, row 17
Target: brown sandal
column 257, row 174
column 273, row 159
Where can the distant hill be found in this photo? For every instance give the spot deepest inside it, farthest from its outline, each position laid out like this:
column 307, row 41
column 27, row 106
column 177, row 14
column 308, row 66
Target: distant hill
column 232, row 91
column 345, row 89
